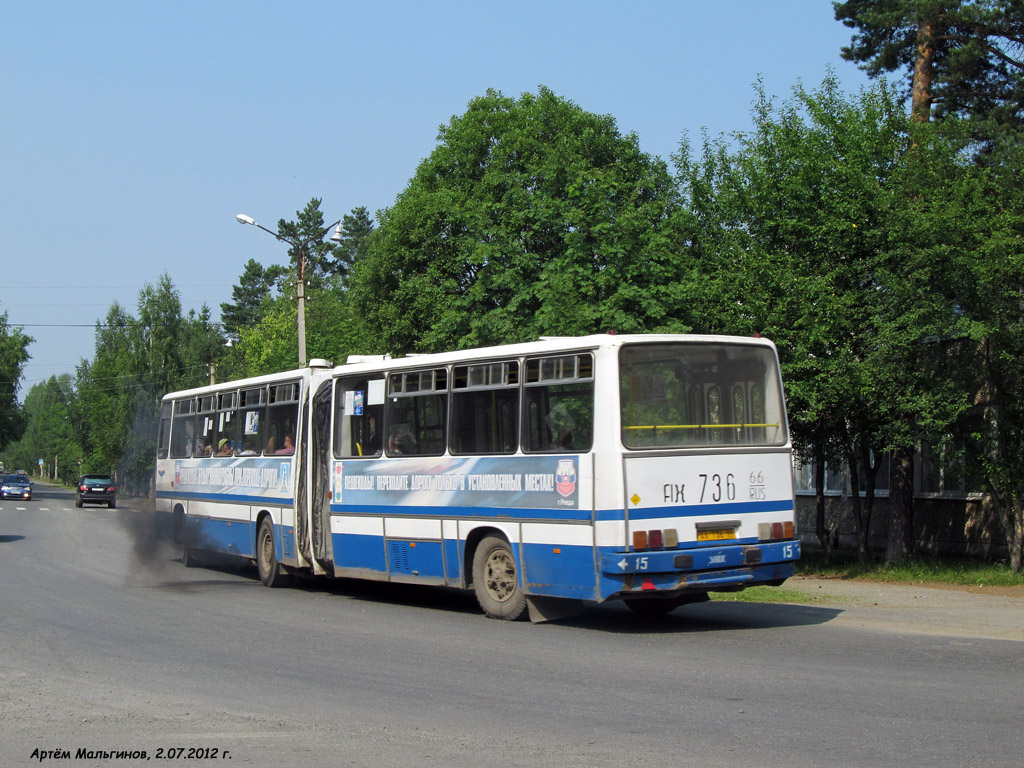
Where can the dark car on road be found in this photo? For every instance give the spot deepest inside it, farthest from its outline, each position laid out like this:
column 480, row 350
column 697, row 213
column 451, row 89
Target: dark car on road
column 15, row 487
column 98, row 489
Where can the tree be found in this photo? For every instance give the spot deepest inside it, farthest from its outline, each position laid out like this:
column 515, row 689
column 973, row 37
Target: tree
column 990, row 261
column 356, row 228
column 815, row 232
column 963, row 55
column 268, row 346
column 311, row 256
column 530, row 217
column 13, row 356
column 52, row 431
column 254, row 286
column 135, row 362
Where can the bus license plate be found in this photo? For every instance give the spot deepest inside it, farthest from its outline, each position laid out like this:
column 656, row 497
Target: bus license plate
column 716, row 534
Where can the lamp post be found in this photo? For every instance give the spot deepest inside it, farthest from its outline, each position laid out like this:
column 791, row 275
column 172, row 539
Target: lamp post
column 300, row 285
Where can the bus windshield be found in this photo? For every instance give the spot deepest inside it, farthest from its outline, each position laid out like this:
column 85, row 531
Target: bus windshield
column 697, row 394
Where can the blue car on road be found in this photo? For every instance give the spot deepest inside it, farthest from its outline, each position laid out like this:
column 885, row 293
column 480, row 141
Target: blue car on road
column 15, row 487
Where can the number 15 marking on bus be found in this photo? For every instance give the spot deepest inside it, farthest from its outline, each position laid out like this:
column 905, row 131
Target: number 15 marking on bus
column 716, row 487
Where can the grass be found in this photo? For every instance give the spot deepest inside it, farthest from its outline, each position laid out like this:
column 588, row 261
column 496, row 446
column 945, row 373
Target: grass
column 922, row 569
column 765, row 595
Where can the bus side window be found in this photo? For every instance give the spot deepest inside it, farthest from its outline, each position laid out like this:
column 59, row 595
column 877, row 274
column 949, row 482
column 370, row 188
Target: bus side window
column 164, row 440
column 359, row 417
column 226, row 433
column 559, row 404
column 278, row 437
column 251, row 416
column 205, row 422
column 417, row 412
column 485, row 408
column 183, row 428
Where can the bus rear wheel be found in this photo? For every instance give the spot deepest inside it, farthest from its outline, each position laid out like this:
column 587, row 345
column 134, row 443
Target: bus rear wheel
column 188, row 557
column 271, row 572
column 496, row 580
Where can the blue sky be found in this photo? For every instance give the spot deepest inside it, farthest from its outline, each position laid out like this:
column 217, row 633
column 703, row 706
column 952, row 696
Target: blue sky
column 133, row 132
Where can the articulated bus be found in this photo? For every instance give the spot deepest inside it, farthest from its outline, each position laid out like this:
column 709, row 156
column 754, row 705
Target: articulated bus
column 645, row 468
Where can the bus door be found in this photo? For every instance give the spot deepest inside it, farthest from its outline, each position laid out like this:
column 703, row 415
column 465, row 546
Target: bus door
column 320, row 476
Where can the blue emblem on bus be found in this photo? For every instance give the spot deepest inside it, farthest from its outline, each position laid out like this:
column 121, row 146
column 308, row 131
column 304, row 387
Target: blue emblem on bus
column 565, row 477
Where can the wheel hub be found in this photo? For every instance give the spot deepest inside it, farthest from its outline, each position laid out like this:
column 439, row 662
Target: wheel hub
column 500, row 575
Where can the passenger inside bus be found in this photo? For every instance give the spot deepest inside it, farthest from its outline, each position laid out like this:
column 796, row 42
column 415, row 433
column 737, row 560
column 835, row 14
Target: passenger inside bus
column 288, row 449
column 400, row 443
column 373, row 444
column 224, row 447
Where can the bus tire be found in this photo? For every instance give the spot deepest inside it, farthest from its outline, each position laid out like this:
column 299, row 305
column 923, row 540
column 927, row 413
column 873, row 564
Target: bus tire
column 271, row 572
column 188, row 559
column 496, row 580
column 188, row 556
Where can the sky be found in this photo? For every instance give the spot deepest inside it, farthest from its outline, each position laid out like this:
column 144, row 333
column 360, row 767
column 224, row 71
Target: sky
column 132, row 133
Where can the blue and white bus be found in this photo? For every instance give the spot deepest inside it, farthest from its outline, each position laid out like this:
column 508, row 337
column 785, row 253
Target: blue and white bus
column 645, row 468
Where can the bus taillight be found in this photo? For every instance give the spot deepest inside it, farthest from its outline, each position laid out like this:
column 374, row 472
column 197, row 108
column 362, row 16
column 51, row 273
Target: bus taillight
column 656, row 539
column 776, row 531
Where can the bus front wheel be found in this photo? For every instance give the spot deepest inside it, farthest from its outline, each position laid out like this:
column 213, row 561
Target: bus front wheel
column 496, row 580
column 271, row 572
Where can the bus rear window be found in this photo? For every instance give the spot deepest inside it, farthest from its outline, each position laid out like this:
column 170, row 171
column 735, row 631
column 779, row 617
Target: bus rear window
column 700, row 395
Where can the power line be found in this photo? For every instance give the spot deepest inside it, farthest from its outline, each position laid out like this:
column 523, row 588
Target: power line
column 133, row 323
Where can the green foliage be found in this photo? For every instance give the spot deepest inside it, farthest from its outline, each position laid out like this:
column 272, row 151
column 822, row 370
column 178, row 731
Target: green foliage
column 977, row 70
column 113, row 409
column 356, row 228
column 953, row 570
column 815, row 233
column 254, row 287
column 830, row 230
column 269, row 346
column 768, row 595
column 305, row 238
column 530, row 217
column 52, row 430
column 13, row 356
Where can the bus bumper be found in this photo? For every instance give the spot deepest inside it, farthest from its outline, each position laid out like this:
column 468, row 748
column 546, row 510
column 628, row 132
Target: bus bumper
column 699, row 569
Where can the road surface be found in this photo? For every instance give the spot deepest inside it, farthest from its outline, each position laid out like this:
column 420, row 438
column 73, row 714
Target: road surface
column 111, row 649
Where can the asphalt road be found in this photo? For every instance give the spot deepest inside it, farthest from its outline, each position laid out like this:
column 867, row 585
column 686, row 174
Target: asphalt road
column 108, row 643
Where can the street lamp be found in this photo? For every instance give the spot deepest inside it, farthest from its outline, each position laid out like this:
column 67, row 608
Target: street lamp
column 300, row 286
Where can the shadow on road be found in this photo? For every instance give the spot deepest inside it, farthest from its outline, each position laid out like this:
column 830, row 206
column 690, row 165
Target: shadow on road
column 158, row 555
column 704, row 617
column 608, row 617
